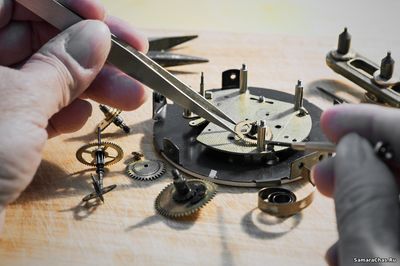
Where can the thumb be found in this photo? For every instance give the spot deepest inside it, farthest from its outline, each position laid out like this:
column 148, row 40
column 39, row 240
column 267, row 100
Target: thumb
column 367, row 203
column 63, row 68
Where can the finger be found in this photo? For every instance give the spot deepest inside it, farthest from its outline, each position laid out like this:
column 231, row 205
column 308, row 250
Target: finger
column 127, row 33
column 88, row 9
column 375, row 123
column 5, row 12
column 114, row 88
column 331, row 255
column 61, row 70
column 19, row 40
column 25, row 36
column 70, row 118
column 367, row 202
column 323, row 177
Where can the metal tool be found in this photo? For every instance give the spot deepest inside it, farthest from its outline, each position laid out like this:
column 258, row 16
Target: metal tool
column 381, row 149
column 184, row 197
column 158, row 48
column 305, row 146
column 136, row 64
column 381, row 85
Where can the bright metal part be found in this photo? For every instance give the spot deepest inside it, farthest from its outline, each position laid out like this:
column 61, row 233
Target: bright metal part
column 261, row 132
column 298, row 96
column 243, row 79
column 283, row 122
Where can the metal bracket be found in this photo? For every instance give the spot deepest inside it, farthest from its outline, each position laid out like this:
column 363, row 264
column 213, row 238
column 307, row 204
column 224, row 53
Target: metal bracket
column 231, row 79
column 302, row 166
column 171, row 150
column 381, row 86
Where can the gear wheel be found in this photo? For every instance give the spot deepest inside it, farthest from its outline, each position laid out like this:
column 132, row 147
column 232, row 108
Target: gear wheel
column 170, row 203
column 112, row 153
column 244, row 135
column 145, row 170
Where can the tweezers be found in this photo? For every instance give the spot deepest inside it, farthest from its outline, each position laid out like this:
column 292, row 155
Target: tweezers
column 136, row 65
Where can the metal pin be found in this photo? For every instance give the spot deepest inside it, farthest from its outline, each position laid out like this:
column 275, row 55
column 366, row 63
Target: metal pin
column 344, row 42
column 116, row 119
column 202, row 90
column 243, row 79
column 261, row 132
column 298, row 96
column 209, row 95
column 387, row 67
column 187, row 113
column 182, row 190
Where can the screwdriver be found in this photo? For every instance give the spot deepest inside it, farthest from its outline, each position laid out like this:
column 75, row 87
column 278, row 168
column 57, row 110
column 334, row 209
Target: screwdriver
column 381, row 149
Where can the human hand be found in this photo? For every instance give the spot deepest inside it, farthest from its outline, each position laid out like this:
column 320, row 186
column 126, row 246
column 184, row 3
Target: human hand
column 364, row 188
column 44, row 82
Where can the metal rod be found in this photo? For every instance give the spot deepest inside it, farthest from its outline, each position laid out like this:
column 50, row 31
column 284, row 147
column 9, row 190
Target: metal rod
column 261, row 132
column 202, row 90
column 243, row 79
column 298, row 96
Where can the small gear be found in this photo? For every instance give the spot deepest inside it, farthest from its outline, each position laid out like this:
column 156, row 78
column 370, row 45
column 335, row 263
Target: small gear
column 247, row 133
column 184, row 197
column 145, row 170
column 87, row 153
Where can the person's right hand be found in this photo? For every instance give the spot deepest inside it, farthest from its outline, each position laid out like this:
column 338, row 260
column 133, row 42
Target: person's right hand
column 45, row 78
column 364, row 187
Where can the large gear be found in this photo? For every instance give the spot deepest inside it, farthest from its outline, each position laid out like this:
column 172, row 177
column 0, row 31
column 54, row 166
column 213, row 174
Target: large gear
column 145, row 170
column 112, row 153
column 200, row 193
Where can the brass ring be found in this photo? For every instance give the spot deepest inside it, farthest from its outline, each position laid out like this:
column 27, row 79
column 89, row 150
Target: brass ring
column 281, row 202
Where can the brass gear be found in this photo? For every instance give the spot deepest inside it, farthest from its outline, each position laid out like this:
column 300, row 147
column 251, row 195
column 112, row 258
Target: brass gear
column 87, row 153
column 168, row 207
column 145, row 170
column 243, row 128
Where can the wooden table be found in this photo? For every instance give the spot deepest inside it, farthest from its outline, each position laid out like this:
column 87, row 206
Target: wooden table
column 49, row 225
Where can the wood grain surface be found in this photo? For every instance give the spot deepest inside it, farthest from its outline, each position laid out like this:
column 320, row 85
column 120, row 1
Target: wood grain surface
column 49, row 225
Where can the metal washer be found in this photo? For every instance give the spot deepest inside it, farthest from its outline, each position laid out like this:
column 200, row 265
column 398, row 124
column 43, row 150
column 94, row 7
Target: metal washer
column 145, row 170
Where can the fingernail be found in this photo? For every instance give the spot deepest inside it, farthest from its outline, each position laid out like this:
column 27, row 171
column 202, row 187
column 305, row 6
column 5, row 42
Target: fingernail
column 89, row 42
